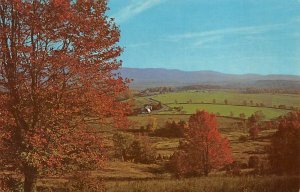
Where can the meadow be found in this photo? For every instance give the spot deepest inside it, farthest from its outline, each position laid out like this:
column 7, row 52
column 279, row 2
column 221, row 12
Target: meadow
column 230, row 111
column 233, row 98
column 126, row 176
column 210, row 184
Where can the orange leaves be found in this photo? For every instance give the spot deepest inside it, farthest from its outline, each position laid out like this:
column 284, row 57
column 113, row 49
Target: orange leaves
column 58, row 71
column 203, row 147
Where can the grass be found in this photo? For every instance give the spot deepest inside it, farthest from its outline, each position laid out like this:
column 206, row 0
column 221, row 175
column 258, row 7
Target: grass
column 143, row 120
column 234, row 98
column 210, row 184
column 226, row 110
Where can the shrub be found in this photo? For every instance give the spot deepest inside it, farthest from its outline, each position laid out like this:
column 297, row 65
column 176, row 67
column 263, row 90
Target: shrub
column 253, row 132
column 9, row 183
column 128, row 148
column 172, row 129
column 243, row 138
column 284, row 153
column 152, row 125
column 142, row 151
column 234, row 168
column 122, row 142
column 83, row 182
column 253, row 162
column 242, row 116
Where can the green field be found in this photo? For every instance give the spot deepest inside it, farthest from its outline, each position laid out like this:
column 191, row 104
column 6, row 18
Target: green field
column 234, row 98
column 225, row 110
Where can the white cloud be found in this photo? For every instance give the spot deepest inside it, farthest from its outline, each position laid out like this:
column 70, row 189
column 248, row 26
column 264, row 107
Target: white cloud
column 222, row 32
column 203, row 41
column 208, row 37
column 134, row 8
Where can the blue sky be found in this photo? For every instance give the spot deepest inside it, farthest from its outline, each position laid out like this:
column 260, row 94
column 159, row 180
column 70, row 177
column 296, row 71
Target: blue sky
column 230, row 36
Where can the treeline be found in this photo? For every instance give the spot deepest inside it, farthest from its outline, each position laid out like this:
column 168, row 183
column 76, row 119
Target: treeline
column 174, row 89
column 253, row 90
column 247, row 90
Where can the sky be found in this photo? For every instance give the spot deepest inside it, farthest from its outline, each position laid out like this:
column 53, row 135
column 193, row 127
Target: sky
column 229, row 36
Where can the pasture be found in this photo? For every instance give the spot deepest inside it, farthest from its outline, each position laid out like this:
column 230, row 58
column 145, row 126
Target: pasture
column 233, row 98
column 228, row 110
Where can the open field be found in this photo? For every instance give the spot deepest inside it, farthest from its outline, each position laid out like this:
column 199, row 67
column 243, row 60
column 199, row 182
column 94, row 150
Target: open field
column 226, row 110
column 233, row 98
column 210, row 184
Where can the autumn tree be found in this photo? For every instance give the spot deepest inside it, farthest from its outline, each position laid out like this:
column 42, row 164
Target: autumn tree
column 284, row 153
column 203, row 148
column 57, row 59
column 254, row 131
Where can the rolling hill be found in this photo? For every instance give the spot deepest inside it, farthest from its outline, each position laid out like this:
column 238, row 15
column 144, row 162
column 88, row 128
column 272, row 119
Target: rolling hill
column 153, row 77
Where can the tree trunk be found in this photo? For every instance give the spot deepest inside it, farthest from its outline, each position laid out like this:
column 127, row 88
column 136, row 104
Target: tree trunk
column 30, row 176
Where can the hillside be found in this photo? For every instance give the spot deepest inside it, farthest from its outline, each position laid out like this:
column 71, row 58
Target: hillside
column 151, row 77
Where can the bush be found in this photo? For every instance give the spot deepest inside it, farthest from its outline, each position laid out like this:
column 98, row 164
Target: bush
column 243, row 138
column 9, row 183
column 253, row 132
column 83, row 182
column 171, row 129
column 234, row 168
column 284, row 153
column 253, row 162
column 152, row 125
column 142, row 151
column 128, row 148
column 122, row 142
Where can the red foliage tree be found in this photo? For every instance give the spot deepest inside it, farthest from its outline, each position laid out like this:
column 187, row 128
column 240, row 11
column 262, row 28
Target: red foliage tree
column 253, row 132
column 285, row 145
column 203, row 148
column 56, row 68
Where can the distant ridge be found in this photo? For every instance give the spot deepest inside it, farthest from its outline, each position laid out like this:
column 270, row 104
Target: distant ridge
column 153, row 77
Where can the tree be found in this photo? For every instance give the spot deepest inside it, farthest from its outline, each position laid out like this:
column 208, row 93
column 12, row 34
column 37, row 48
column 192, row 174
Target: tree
column 251, row 103
column 122, row 143
column 142, row 151
column 226, row 102
column 56, row 68
column 152, row 124
column 203, row 148
column 284, row 154
column 253, row 132
column 242, row 115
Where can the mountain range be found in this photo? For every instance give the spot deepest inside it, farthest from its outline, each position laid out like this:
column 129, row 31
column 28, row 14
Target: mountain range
column 154, row 77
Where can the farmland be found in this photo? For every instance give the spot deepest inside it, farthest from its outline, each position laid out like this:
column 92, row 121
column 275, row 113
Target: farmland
column 230, row 111
column 227, row 103
column 129, row 176
column 233, row 98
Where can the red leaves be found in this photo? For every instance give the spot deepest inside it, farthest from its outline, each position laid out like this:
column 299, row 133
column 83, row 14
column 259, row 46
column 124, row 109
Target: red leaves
column 203, row 147
column 56, row 71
